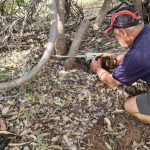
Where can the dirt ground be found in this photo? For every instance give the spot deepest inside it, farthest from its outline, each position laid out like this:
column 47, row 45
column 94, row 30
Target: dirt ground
column 135, row 136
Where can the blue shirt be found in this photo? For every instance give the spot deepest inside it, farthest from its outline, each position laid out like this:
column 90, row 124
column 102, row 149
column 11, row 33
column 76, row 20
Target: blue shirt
column 136, row 64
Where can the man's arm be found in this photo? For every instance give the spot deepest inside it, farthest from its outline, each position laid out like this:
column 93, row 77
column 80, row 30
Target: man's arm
column 107, row 78
column 120, row 58
column 104, row 75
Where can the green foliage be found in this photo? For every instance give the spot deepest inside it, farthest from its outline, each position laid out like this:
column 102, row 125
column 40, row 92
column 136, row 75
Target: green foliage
column 22, row 2
column 8, row 7
column 33, row 97
column 64, row 104
column 15, row 5
column 3, row 76
column 27, row 115
column 41, row 145
column 84, row 2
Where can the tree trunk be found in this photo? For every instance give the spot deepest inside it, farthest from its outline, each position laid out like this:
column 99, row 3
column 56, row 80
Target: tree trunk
column 46, row 56
column 74, row 49
column 102, row 14
column 60, row 46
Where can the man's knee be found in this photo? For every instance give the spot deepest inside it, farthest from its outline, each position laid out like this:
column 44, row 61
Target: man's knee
column 130, row 105
column 127, row 106
column 142, row 102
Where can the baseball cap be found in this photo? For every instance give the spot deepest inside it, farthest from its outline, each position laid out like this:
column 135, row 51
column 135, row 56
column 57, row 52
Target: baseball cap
column 125, row 17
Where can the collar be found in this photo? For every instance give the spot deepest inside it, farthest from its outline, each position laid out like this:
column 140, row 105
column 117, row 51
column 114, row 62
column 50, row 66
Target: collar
column 140, row 35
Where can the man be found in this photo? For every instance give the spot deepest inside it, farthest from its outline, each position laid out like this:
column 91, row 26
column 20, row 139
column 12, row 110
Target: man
column 130, row 32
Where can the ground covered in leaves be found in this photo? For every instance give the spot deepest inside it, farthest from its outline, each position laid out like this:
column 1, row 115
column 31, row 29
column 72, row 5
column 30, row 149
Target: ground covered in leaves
column 71, row 110
column 66, row 110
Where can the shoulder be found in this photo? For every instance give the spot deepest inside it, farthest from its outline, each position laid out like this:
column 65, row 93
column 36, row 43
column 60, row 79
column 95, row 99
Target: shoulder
column 143, row 39
column 125, row 71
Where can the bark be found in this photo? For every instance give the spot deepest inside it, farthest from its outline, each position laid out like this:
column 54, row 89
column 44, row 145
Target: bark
column 74, row 49
column 103, row 12
column 60, row 47
column 138, row 6
column 45, row 58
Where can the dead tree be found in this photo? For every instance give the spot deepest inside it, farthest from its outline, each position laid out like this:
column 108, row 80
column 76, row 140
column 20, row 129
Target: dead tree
column 46, row 56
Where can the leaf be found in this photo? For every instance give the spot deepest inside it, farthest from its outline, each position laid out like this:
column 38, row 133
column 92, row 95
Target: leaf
column 109, row 128
column 55, row 139
column 2, row 126
column 42, row 99
column 69, row 143
column 108, row 146
column 5, row 110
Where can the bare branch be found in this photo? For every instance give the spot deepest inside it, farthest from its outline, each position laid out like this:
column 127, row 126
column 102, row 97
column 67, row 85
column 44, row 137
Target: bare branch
column 28, row 13
column 103, row 12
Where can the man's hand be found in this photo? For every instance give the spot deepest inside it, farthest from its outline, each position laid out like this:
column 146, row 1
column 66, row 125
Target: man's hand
column 95, row 65
column 104, row 76
column 120, row 58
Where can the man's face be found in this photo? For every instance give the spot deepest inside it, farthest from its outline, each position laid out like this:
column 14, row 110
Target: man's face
column 123, row 37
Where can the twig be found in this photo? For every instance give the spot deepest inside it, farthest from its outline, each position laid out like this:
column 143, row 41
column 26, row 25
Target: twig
column 19, row 144
column 56, row 147
column 7, row 133
column 28, row 12
column 8, row 97
column 115, row 8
